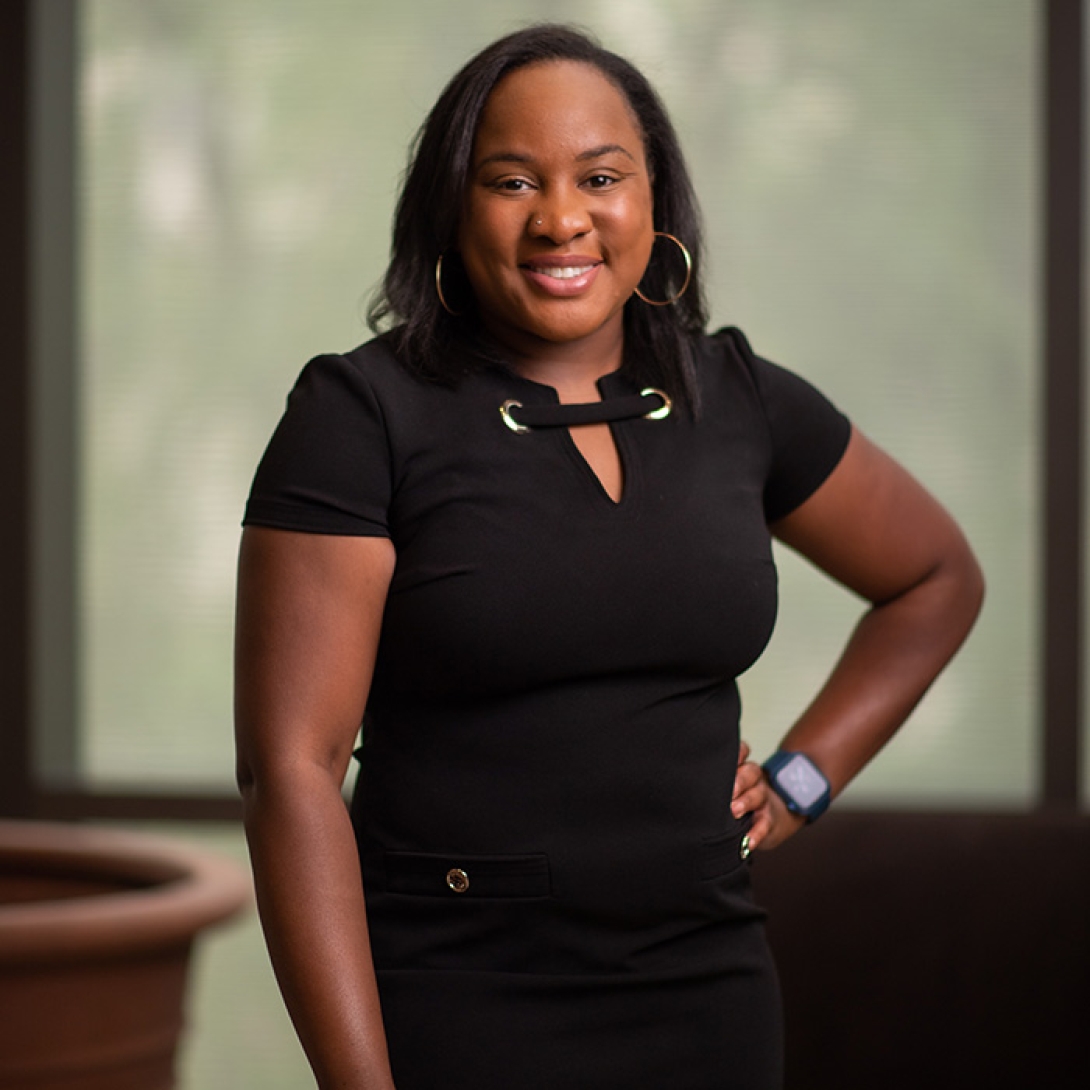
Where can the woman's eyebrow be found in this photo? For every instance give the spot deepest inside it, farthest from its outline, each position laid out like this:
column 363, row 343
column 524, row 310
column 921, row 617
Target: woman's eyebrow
column 605, row 149
column 583, row 156
column 505, row 157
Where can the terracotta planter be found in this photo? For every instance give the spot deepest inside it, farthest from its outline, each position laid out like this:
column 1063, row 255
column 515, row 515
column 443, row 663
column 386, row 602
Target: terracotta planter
column 96, row 928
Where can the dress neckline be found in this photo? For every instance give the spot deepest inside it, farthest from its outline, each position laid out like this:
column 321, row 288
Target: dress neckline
column 649, row 403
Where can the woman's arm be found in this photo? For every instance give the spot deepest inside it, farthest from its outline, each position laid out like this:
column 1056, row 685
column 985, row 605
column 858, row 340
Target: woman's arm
column 875, row 529
column 308, row 617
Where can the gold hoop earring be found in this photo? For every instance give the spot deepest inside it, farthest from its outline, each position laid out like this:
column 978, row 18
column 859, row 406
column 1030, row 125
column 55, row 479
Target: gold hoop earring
column 439, row 288
column 687, row 257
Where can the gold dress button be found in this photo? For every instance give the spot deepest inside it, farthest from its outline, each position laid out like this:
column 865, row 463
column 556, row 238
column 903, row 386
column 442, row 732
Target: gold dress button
column 457, row 879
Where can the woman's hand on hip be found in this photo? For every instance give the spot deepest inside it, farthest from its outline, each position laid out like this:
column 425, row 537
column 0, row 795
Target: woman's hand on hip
column 773, row 823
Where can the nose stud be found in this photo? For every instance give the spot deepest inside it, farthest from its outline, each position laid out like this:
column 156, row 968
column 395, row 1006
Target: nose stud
column 538, row 223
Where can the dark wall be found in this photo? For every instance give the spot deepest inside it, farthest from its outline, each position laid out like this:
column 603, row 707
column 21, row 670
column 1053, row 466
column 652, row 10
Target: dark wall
column 933, row 951
column 14, row 410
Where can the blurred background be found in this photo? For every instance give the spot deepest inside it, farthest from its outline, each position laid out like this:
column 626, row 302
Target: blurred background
column 214, row 186
column 867, row 172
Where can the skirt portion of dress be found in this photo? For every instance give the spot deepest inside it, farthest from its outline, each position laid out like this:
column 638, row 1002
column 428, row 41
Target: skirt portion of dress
column 489, row 981
column 506, row 1031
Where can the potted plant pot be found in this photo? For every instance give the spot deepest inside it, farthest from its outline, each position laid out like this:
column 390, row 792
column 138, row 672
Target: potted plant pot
column 96, row 929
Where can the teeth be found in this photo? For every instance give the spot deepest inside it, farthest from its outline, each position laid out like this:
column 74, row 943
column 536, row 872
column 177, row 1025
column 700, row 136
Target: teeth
column 565, row 273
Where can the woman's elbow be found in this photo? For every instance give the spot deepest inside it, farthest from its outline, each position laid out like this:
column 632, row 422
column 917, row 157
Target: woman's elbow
column 963, row 579
column 245, row 778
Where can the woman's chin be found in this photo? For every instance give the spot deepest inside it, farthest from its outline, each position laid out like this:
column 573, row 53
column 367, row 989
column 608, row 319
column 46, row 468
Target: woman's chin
column 565, row 321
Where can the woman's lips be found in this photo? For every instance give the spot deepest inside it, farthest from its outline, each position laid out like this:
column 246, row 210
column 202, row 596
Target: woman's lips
column 563, row 276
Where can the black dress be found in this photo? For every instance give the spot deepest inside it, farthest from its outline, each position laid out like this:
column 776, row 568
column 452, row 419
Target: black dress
column 553, row 877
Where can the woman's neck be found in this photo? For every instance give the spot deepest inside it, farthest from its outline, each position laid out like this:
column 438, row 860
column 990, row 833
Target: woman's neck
column 571, row 368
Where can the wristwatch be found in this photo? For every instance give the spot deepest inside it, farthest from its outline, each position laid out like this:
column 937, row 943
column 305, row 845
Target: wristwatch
column 799, row 782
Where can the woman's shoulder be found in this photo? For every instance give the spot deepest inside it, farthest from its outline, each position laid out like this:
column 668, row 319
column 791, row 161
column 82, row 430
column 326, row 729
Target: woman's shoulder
column 727, row 361
column 372, row 374
column 374, row 363
column 728, row 353
column 728, row 372
column 805, row 432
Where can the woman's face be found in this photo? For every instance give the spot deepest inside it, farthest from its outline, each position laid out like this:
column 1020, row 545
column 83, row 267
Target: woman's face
column 557, row 220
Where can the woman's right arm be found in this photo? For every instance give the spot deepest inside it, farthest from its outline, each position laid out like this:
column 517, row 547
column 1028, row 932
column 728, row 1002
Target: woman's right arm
column 308, row 618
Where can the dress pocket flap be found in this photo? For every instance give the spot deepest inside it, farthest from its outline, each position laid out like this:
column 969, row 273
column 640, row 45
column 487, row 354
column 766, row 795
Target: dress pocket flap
column 722, row 854
column 432, row 875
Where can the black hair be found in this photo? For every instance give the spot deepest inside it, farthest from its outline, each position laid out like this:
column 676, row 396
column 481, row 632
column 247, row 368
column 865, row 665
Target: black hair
column 441, row 346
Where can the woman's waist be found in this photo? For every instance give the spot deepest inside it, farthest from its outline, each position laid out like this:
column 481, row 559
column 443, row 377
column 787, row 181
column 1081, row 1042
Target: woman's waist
column 562, row 903
column 573, row 769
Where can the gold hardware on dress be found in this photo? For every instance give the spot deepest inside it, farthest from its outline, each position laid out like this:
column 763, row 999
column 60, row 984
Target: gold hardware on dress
column 457, row 879
column 660, row 413
column 508, row 419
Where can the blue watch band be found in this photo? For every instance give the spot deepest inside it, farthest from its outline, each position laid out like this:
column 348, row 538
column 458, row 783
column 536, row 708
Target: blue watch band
column 799, row 782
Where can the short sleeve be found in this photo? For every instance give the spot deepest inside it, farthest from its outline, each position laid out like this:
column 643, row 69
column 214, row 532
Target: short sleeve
column 808, row 433
column 326, row 469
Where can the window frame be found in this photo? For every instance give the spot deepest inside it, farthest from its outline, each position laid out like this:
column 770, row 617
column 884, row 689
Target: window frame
column 39, row 592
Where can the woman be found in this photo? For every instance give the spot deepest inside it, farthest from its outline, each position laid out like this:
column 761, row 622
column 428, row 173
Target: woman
column 524, row 537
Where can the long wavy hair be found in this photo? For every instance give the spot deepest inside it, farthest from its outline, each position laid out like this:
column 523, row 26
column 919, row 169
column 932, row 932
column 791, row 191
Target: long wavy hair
column 659, row 340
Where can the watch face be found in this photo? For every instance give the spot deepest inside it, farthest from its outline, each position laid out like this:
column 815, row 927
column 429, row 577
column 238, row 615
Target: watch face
column 802, row 781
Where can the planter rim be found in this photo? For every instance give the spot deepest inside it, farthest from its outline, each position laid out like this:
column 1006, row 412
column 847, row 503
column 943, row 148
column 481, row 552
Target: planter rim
column 183, row 888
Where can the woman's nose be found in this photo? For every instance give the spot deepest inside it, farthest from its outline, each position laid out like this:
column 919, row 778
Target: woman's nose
column 560, row 216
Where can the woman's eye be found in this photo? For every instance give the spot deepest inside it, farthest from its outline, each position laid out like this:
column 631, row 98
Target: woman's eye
column 512, row 185
column 601, row 181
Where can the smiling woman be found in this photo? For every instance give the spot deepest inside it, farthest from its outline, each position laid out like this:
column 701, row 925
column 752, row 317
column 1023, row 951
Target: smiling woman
column 439, row 335
column 557, row 223
column 489, row 536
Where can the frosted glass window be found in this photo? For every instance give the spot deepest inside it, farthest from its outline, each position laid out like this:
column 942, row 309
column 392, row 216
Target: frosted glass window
column 867, row 174
column 869, row 180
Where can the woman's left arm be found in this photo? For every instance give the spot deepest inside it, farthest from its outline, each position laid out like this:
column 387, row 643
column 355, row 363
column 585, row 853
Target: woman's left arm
column 876, row 530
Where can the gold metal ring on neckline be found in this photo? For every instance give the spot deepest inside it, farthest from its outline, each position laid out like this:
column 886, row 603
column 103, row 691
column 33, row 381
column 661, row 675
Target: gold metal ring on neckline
column 509, row 420
column 661, row 412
